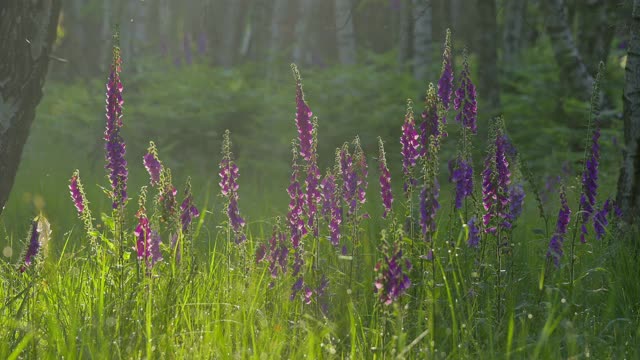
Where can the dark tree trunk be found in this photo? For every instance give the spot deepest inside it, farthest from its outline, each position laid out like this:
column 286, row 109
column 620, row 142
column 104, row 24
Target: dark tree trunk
column 303, row 34
column 260, row 21
column 422, row 40
column 574, row 74
column 629, row 181
column 232, row 25
column 513, row 34
column 345, row 32
column 595, row 32
column 27, row 32
column 404, row 35
column 488, row 79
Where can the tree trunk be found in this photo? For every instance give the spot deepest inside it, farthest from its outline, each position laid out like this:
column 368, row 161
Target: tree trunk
column 573, row 73
column 629, row 182
column 260, row 21
column 27, row 32
column 345, row 32
column 231, row 37
column 404, row 35
column 278, row 24
column 595, row 32
column 514, row 18
column 303, row 42
column 488, row 78
column 422, row 39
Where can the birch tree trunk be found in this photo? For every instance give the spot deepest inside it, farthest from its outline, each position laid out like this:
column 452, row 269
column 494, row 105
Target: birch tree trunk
column 573, row 73
column 345, row 33
column 260, row 21
column 488, row 77
column 301, row 48
column 514, row 19
column 629, row 181
column 422, row 39
column 595, row 32
column 27, row 32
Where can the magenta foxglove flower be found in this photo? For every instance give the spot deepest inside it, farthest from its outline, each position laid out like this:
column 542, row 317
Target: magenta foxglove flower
column 143, row 237
column 410, row 143
column 188, row 209
column 115, row 146
column 385, row 180
column 276, row 254
column 564, row 216
column 474, row 233
column 313, row 195
column 303, row 118
column 600, row 219
column 516, row 201
column 461, row 174
column 465, row 100
column 33, row 248
column 297, row 286
column 152, row 164
column 229, row 175
column 496, row 179
column 432, row 123
column 590, row 184
column 76, row 193
column 331, row 207
column 295, row 216
column 156, row 253
column 392, row 280
column 349, row 180
column 445, row 84
column 429, row 206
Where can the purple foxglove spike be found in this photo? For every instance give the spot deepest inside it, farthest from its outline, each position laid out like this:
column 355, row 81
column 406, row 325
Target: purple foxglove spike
column 143, row 238
column 474, row 233
column 392, row 280
column 303, row 118
column 385, row 180
column 445, row 84
column 429, row 206
column 410, row 141
column 33, row 248
column 152, row 164
column 564, row 217
column 76, row 193
column 465, row 100
column 156, row 253
column 461, row 174
column 590, row 184
column 516, row 201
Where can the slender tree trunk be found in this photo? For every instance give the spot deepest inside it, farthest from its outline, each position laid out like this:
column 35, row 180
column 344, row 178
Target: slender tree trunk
column 405, row 33
column 574, row 74
column 595, row 32
column 27, row 32
column 303, row 41
column 278, row 24
column 260, row 21
column 629, row 181
column 345, row 32
column 422, row 39
column 488, row 78
column 513, row 35
column 231, row 37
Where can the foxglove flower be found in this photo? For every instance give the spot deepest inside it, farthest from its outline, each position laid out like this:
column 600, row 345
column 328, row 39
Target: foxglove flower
column 229, row 175
column 362, row 173
column 445, row 84
column 349, row 180
column 115, row 146
column 590, row 184
column 188, row 209
column 313, row 195
column 410, row 143
column 156, row 254
column 385, row 180
column 496, row 179
column 432, row 123
column 392, row 280
column 465, row 100
column 297, row 286
column 276, row 254
column 564, row 216
column 152, row 164
column 303, row 118
column 516, row 201
column 600, row 219
column 33, row 248
column 429, row 206
column 461, row 174
column 331, row 207
column 143, row 237
column 295, row 216
column 474, row 233
column 76, row 192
